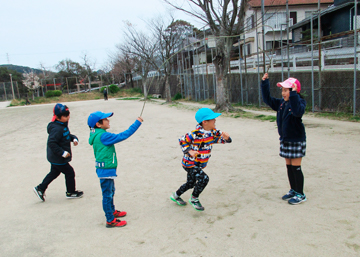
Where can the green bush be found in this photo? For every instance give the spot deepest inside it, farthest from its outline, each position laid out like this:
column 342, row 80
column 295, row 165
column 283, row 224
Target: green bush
column 102, row 89
column 113, row 89
column 136, row 90
column 177, row 96
column 52, row 93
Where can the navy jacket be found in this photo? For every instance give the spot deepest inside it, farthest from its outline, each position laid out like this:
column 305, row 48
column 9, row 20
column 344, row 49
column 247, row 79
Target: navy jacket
column 288, row 118
column 59, row 141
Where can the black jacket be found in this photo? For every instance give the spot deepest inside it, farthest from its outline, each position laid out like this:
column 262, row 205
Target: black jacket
column 59, row 140
column 289, row 122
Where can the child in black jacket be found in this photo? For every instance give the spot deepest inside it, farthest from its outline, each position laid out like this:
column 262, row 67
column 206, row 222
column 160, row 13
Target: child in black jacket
column 59, row 153
column 290, row 110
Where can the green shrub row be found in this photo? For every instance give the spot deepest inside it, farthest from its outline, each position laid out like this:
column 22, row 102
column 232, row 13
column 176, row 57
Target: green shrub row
column 51, row 93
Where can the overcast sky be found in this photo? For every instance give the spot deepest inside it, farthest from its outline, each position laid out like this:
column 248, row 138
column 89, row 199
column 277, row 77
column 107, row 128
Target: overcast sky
column 43, row 31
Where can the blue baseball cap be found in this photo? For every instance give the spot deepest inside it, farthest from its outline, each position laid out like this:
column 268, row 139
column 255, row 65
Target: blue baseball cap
column 58, row 110
column 205, row 114
column 96, row 116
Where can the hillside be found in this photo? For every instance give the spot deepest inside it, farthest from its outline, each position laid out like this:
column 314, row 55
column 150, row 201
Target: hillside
column 20, row 69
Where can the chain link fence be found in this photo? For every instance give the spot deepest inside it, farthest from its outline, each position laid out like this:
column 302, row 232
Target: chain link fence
column 328, row 72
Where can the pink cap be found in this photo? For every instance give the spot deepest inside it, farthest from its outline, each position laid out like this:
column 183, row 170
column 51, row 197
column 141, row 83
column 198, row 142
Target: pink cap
column 289, row 83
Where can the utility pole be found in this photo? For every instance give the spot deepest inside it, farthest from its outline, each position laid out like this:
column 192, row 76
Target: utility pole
column 263, row 32
column 287, row 32
column 355, row 56
column 319, row 40
column 12, row 87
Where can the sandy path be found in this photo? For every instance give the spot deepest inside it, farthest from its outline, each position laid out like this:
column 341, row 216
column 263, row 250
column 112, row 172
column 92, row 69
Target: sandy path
column 244, row 214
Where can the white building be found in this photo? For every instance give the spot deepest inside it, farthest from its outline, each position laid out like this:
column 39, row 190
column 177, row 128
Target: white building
column 275, row 21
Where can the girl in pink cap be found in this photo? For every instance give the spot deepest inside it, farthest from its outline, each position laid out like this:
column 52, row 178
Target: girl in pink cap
column 290, row 109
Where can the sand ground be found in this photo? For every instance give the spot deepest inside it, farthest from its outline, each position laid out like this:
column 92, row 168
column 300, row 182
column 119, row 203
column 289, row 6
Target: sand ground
column 244, row 214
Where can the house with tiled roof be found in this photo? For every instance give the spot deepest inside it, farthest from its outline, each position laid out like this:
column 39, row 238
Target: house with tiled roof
column 336, row 21
column 275, row 26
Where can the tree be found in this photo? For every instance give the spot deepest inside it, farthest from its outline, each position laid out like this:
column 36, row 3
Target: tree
column 169, row 42
column 69, row 68
column 225, row 19
column 124, row 64
column 31, row 81
column 5, row 77
column 89, row 67
column 143, row 47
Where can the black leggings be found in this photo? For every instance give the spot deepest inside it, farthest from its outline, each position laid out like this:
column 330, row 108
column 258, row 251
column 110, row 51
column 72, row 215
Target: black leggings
column 55, row 171
column 197, row 178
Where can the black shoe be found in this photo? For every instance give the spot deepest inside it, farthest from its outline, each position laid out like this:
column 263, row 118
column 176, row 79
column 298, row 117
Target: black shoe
column 289, row 195
column 40, row 193
column 76, row 194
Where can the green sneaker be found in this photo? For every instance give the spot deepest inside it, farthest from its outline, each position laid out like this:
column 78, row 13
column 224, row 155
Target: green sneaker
column 196, row 204
column 177, row 200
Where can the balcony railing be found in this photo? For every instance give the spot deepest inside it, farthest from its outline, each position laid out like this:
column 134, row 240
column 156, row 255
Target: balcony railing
column 275, row 24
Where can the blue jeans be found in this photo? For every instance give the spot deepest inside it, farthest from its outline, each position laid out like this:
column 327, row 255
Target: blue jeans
column 108, row 192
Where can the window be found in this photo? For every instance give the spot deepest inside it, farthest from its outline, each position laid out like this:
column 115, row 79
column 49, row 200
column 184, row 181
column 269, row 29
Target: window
column 293, row 17
column 269, row 45
column 250, row 22
column 248, row 49
column 274, row 20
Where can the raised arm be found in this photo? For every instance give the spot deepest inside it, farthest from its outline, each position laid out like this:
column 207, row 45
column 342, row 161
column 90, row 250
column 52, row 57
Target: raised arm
column 110, row 138
column 273, row 102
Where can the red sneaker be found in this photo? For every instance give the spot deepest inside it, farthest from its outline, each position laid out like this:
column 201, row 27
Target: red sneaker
column 118, row 214
column 116, row 223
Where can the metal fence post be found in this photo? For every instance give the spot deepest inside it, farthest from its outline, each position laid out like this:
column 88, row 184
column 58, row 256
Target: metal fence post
column 241, row 85
column 312, row 64
column 355, row 55
column 5, row 91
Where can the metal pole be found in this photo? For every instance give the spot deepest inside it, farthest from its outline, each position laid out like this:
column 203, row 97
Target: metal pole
column 190, row 80
column 197, row 90
column 263, row 33
column 203, row 77
column 241, row 85
column 258, row 68
column 312, row 64
column 287, row 32
column 5, row 91
column 183, row 71
column 246, row 88
column 213, row 74
column 281, row 52
column 12, row 87
column 355, row 56
column 17, row 88
column 319, row 39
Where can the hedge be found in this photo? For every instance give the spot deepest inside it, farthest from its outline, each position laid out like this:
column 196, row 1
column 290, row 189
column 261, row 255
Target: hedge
column 51, row 93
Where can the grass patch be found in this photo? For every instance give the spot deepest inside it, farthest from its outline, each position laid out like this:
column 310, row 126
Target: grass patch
column 265, row 117
column 207, row 101
column 338, row 116
column 94, row 95
column 128, row 98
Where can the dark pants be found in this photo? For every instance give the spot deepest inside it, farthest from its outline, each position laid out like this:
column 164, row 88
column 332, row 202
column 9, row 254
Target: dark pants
column 197, row 179
column 55, row 171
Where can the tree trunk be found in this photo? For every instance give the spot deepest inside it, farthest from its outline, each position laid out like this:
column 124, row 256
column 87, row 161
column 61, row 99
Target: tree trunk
column 145, row 88
column 167, row 89
column 131, row 81
column 221, row 69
